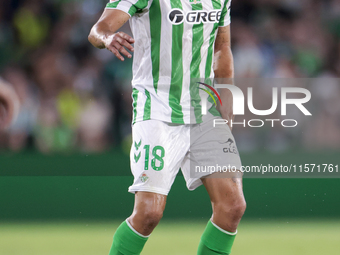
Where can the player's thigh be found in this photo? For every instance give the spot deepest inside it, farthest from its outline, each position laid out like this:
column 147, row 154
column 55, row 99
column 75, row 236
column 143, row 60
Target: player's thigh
column 212, row 150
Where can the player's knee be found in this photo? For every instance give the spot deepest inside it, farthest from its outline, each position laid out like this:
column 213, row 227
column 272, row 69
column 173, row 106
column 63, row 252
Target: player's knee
column 152, row 217
column 239, row 208
column 234, row 210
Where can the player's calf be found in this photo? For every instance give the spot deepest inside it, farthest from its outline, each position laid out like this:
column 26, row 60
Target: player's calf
column 132, row 234
column 228, row 205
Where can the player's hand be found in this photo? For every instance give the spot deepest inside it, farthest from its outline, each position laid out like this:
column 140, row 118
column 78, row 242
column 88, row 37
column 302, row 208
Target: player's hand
column 9, row 105
column 118, row 43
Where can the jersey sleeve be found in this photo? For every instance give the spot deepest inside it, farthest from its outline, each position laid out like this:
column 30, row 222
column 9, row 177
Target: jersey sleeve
column 128, row 6
column 225, row 15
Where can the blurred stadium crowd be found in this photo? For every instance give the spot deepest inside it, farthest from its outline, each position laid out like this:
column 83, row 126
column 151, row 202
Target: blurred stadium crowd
column 75, row 97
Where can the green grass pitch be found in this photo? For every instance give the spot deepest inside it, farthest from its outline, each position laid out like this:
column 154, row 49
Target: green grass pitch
column 171, row 238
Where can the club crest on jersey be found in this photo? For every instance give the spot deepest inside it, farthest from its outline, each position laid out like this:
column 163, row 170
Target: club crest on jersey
column 144, row 177
column 194, row 1
column 177, row 16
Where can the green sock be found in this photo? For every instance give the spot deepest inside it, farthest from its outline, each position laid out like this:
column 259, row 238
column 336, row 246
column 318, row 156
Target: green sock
column 215, row 241
column 126, row 241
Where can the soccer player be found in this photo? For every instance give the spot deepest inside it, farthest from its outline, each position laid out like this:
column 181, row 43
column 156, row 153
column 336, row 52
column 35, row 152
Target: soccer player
column 176, row 43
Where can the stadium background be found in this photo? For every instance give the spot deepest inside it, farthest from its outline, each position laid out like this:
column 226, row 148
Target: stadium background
column 64, row 163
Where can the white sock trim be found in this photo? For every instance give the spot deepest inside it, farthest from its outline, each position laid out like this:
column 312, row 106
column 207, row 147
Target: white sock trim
column 128, row 223
column 224, row 231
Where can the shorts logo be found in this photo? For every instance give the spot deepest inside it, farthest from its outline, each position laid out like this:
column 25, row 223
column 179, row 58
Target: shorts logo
column 178, row 16
column 231, row 148
column 144, row 177
column 137, row 156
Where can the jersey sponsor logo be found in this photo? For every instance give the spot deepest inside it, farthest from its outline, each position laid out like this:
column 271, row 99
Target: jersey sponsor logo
column 178, row 16
column 111, row 1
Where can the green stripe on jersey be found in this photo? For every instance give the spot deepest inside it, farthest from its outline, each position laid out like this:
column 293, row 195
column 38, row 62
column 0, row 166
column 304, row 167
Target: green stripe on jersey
column 113, row 5
column 134, row 104
column 224, row 12
column 216, row 5
column 155, row 31
column 136, row 7
column 176, row 84
column 147, row 106
column 132, row 10
column 197, row 42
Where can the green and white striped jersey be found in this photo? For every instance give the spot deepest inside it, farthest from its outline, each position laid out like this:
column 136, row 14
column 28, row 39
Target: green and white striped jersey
column 174, row 46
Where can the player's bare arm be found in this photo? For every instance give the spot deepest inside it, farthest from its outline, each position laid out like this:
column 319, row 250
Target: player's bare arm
column 104, row 34
column 9, row 104
column 224, row 71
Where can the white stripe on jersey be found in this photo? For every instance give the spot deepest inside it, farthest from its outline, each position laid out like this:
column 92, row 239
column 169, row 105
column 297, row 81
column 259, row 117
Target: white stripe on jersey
column 165, row 60
column 187, row 56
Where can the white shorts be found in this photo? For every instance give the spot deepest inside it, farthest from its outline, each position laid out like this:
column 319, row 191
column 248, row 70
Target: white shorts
column 160, row 149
